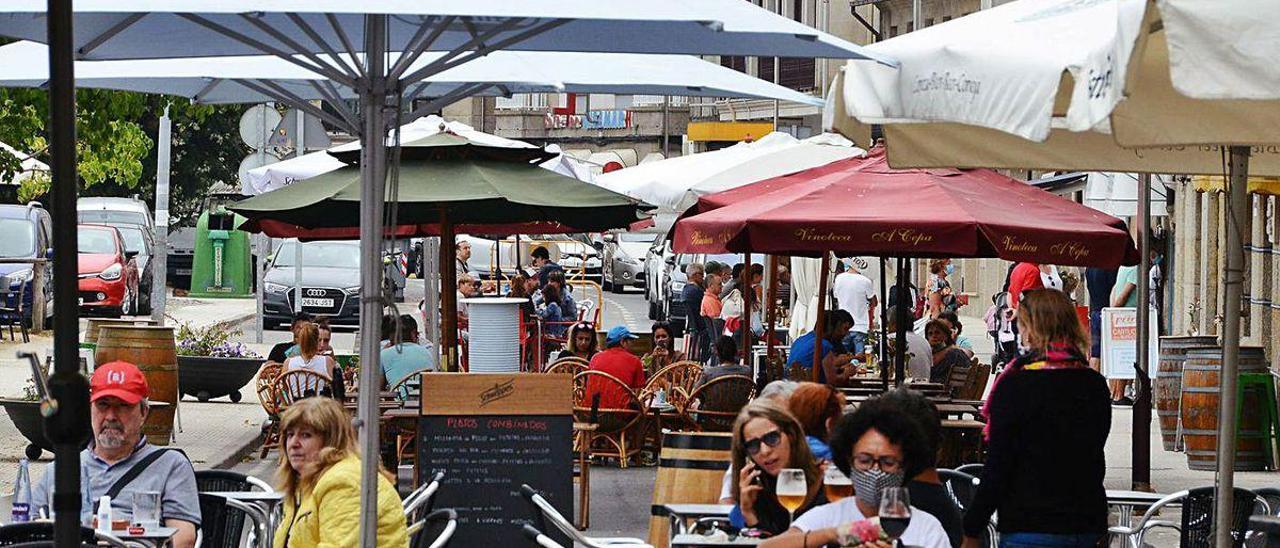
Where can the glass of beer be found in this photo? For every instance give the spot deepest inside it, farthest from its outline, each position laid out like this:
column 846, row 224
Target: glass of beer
column 792, row 489
column 835, row 484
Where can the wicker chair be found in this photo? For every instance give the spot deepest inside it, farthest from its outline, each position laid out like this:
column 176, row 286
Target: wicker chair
column 713, row 406
column 618, row 428
column 265, row 386
column 298, row 384
column 568, row 364
column 678, row 381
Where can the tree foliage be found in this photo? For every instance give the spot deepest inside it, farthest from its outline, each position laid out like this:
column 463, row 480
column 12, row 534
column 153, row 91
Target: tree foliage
column 115, row 147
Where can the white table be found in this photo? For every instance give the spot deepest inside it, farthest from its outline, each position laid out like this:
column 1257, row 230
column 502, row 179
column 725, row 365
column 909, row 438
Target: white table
column 700, row 541
column 1125, row 501
column 152, row 536
column 681, row 514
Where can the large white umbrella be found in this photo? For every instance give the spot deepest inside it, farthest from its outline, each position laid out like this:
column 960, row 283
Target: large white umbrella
column 675, row 184
column 1122, row 85
column 30, row 165
column 297, row 31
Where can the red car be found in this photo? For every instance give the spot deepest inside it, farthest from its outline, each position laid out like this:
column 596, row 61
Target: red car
column 108, row 272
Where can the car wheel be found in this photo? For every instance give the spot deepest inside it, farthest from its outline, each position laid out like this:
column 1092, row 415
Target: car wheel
column 617, row 288
column 34, row 451
column 132, row 304
column 653, row 310
column 235, row 397
column 144, row 304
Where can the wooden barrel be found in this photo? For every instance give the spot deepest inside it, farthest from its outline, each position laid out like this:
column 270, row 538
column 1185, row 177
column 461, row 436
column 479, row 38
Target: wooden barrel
column 151, row 348
column 96, row 324
column 691, row 469
column 1200, row 392
column 1168, row 384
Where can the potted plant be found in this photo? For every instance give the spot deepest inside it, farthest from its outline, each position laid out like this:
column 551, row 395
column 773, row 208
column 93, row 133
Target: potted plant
column 25, row 414
column 210, row 365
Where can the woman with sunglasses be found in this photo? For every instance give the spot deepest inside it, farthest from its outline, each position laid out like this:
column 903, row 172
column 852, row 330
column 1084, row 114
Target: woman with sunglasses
column 767, row 439
column 582, row 342
column 877, row 446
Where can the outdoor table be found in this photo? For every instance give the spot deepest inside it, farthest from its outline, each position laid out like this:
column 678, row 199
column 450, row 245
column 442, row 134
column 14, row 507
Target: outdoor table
column 582, row 434
column 656, row 410
column 1125, row 502
column 152, row 536
column 268, row 501
column 961, row 442
column 957, row 410
column 681, row 514
column 700, row 541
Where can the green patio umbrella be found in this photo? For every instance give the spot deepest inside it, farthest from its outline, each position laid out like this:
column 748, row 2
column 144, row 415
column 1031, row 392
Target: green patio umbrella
column 446, row 181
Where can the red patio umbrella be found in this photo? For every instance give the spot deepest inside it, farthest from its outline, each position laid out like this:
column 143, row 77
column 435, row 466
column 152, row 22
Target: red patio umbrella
column 861, row 206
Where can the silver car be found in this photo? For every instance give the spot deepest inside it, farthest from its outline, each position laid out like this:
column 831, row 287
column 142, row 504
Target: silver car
column 623, row 261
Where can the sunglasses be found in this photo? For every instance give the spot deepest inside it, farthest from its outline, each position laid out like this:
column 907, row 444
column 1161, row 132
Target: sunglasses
column 772, row 439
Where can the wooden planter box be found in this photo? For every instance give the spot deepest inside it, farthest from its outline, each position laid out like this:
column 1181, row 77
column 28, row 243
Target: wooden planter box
column 206, row 377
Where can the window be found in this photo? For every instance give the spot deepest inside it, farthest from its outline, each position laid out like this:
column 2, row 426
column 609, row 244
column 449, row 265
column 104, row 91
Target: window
column 96, row 240
column 19, row 239
column 893, row 31
column 522, row 100
column 928, row 22
column 735, row 62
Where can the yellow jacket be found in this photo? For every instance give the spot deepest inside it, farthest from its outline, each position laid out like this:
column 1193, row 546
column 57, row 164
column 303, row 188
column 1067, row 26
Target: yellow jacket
column 329, row 516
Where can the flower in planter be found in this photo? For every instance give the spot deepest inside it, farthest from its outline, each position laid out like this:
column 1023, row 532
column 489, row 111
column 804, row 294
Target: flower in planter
column 213, row 341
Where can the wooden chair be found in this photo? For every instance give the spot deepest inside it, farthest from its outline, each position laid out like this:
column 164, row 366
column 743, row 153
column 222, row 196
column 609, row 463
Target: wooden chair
column 298, row 384
column 269, row 398
column 714, row 406
column 618, row 425
column 407, row 388
column 568, row 364
column 958, row 379
column 977, row 384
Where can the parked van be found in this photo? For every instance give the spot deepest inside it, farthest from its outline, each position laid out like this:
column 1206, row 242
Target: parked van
column 28, row 234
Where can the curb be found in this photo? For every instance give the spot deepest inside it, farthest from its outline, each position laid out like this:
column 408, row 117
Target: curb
column 237, row 456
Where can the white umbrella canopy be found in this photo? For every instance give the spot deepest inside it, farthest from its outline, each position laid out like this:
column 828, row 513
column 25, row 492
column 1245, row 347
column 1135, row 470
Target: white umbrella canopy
column 284, row 173
column 1057, row 84
column 247, row 79
column 131, row 29
column 674, row 184
column 30, row 165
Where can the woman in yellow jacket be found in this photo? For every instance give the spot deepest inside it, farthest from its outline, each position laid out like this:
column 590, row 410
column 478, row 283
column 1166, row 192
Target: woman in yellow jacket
column 320, row 478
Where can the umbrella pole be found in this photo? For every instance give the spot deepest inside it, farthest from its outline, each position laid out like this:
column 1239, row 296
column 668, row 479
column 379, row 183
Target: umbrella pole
column 69, row 424
column 884, row 323
column 448, row 296
column 772, row 303
column 373, row 166
column 1141, row 480
column 748, row 295
column 1237, row 208
column 819, row 326
column 902, row 318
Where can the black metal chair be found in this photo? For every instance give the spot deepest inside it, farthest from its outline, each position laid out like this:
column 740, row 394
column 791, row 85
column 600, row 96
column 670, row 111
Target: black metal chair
column 435, row 530
column 13, row 315
column 960, row 487
column 222, row 522
column 974, row 469
column 228, row 480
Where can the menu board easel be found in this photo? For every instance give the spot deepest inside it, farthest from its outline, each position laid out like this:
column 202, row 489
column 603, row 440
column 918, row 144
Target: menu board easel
column 490, row 433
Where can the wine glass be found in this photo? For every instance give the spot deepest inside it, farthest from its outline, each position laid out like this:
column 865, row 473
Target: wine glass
column 836, row 485
column 792, row 489
column 895, row 511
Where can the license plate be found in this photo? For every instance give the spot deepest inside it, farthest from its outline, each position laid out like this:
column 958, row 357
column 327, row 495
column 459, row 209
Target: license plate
column 317, row 303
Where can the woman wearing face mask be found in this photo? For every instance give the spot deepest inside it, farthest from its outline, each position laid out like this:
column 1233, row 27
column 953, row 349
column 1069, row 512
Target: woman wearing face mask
column 320, row 477
column 664, row 351
column 957, row 332
column 877, row 446
column 766, row 439
column 940, row 296
column 945, row 353
column 1048, row 417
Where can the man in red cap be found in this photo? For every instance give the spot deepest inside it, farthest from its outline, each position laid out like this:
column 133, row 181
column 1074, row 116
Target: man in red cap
column 119, row 462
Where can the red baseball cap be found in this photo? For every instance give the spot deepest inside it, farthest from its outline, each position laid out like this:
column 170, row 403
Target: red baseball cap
column 119, row 379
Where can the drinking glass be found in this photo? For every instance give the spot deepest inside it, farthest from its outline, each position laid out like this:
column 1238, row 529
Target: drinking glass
column 836, row 485
column 895, row 511
column 146, row 509
column 791, row 490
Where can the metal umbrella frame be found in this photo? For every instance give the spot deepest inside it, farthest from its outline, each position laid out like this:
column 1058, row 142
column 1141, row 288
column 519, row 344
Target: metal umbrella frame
column 111, row 29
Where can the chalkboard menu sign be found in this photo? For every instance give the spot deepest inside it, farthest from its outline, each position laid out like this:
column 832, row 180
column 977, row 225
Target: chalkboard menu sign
column 490, row 433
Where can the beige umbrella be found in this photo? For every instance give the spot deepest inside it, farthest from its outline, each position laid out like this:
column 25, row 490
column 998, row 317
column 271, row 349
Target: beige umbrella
column 1110, row 85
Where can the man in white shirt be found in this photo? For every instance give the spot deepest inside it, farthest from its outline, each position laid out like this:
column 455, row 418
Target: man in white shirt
column 856, row 295
column 919, row 353
column 877, row 446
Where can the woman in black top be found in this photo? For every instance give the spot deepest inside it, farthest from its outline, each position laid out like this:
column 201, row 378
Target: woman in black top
column 767, row 439
column 1047, row 422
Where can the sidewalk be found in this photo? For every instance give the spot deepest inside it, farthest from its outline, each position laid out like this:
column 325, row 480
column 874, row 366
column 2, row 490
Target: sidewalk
column 213, row 434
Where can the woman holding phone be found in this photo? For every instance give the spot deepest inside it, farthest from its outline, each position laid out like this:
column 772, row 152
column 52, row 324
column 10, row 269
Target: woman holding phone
column 768, row 442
